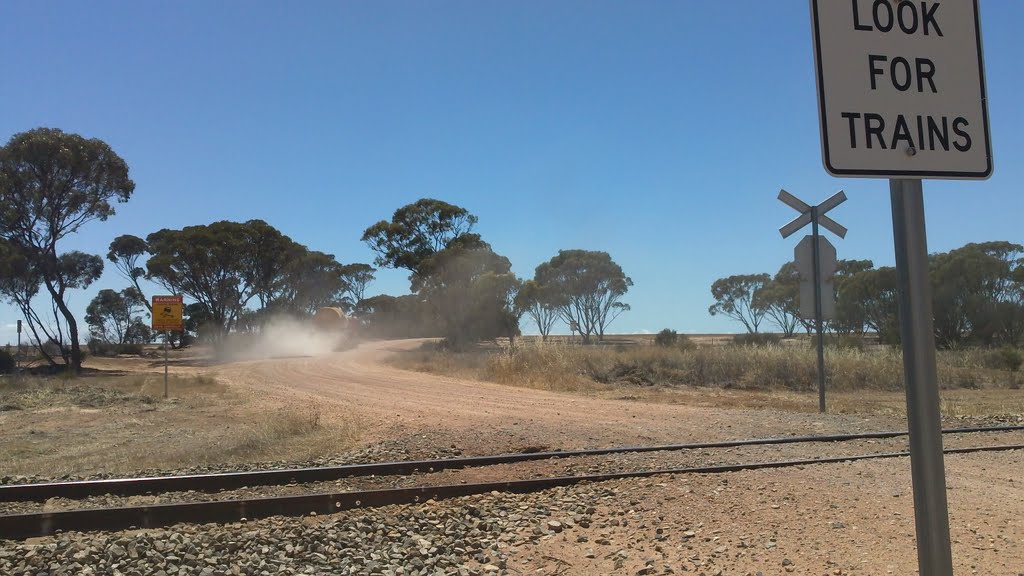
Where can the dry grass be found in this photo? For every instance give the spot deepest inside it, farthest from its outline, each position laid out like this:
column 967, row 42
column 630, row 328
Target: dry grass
column 569, row 367
column 121, row 424
column 952, row 403
column 30, row 392
column 781, row 377
column 291, row 432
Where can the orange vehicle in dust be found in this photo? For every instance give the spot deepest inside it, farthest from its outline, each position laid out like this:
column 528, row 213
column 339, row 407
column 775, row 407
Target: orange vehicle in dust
column 334, row 319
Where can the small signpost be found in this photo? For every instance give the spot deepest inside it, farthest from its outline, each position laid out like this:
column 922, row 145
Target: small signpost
column 168, row 315
column 901, row 95
column 17, row 356
column 815, row 259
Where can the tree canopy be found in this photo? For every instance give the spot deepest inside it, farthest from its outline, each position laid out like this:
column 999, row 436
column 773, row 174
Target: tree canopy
column 355, row 278
column 317, row 280
column 116, row 317
column 780, row 299
column 266, row 259
column 586, row 286
column 52, row 184
column 977, row 294
column 207, row 263
column 416, row 232
column 227, row 266
column 125, row 252
column 875, row 292
column 850, row 307
column 738, row 297
column 19, row 285
column 540, row 303
column 469, row 288
column 977, row 297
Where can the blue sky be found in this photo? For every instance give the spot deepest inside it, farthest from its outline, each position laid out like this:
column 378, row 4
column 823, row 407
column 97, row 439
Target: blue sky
column 657, row 131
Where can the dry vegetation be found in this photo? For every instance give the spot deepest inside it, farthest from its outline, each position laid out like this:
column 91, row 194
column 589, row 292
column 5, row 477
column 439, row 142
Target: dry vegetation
column 974, row 382
column 121, row 423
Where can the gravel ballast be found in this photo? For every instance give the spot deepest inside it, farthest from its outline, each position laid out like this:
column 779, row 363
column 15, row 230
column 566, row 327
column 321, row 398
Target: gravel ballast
column 464, row 536
column 566, row 466
column 817, row 520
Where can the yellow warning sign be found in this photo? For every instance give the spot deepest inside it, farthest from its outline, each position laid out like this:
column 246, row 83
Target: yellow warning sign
column 167, row 313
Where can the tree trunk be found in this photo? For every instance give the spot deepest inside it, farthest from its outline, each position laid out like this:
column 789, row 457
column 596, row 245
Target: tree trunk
column 76, row 348
column 75, row 361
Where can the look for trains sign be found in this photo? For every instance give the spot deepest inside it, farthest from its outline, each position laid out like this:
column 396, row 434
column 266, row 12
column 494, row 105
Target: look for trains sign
column 901, row 88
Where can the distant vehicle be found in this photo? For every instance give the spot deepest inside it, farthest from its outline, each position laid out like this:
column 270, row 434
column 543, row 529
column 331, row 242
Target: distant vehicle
column 333, row 319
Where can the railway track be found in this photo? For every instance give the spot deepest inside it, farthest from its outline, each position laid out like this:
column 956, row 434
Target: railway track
column 26, row 525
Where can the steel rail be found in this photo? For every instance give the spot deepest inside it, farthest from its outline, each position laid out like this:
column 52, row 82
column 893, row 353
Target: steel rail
column 231, row 480
column 21, row 526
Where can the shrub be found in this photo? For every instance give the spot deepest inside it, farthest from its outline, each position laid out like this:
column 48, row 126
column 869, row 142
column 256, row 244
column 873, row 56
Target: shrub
column 98, row 347
column 52, row 348
column 7, row 363
column 846, row 342
column 567, row 367
column 666, row 337
column 756, row 339
column 133, row 349
column 683, row 342
column 1006, row 358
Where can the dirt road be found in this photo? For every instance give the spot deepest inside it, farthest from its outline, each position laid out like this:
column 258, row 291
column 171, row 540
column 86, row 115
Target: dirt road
column 483, row 418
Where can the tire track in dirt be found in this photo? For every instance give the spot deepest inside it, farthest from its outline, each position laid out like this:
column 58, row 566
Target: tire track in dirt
column 479, row 417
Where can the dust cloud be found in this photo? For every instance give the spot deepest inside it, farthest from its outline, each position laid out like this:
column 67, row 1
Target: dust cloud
column 283, row 337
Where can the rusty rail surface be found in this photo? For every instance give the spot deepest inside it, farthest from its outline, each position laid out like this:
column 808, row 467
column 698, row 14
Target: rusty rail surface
column 21, row 526
column 231, row 480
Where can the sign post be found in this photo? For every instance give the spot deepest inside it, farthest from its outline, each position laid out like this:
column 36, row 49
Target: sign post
column 815, row 258
column 915, row 304
column 168, row 314
column 17, row 356
column 901, row 95
column 167, row 344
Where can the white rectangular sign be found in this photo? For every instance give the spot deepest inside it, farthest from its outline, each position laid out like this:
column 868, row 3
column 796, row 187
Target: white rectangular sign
column 901, row 88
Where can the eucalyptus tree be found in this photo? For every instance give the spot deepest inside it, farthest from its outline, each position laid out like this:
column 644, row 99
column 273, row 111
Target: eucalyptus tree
column 51, row 185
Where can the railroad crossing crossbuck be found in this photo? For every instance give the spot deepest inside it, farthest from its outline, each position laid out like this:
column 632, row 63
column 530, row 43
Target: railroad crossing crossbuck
column 816, row 260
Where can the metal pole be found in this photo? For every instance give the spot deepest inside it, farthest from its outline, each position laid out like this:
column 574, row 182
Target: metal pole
column 931, row 516
column 17, row 353
column 816, row 257
column 167, row 340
